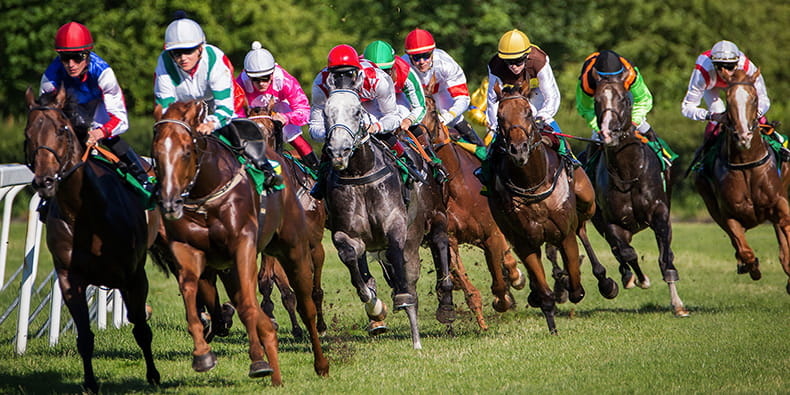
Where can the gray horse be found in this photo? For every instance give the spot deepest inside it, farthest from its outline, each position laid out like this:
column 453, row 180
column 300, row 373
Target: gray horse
column 367, row 213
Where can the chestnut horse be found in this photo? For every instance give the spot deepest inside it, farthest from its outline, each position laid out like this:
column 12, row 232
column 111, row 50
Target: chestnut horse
column 271, row 271
column 96, row 226
column 367, row 213
column 536, row 197
column 632, row 190
column 216, row 221
column 470, row 220
column 744, row 188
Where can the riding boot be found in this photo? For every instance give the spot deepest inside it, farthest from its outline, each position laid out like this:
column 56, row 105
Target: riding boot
column 255, row 151
column 784, row 153
column 318, row 192
column 468, row 133
column 311, row 161
column 132, row 163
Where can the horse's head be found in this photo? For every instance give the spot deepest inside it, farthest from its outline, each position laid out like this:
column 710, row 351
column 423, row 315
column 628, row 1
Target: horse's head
column 52, row 149
column 262, row 116
column 742, row 108
column 517, row 130
column 431, row 120
column 613, row 104
column 343, row 118
column 175, row 152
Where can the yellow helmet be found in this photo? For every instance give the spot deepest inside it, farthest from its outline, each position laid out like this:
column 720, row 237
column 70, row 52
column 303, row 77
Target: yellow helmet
column 514, row 44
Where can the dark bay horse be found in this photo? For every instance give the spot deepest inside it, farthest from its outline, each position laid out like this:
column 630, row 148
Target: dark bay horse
column 537, row 198
column 216, row 221
column 470, row 219
column 96, row 226
column 271, row 270
column 744, row 188
column 367, row 213
column 632, row 190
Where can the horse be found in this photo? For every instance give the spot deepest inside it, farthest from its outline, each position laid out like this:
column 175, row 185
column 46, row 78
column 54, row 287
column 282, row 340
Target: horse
column 632, row 191
column 271, row 270
column 367, row 213
column 470, row 219
column 96, row 226
column 537, row 198
column 744, row 187
column 217, row 222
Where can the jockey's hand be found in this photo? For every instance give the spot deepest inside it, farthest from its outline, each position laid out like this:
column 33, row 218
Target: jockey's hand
column 280, row 118
column 205, row 128
column 718, row 117
column 406, row 123
column 540, row 123
column 374, row 128
column 94, row 136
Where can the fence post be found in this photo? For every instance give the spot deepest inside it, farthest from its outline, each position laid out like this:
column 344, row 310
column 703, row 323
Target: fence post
column 29, row 274
column 8, row 193
column 54, row 313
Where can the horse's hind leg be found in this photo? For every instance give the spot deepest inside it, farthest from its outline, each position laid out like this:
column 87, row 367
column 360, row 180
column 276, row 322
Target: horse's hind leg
column 266, row 286
column 440, row 249
column 134, row 298
column 606, row 286
column 560, row 275
column 662, row 228
column 288, row 298
column 461, row 279
column 74, row 297
column 318, row 255
column 782, row 229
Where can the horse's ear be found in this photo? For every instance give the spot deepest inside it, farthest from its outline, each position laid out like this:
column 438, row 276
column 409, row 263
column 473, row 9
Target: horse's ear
column 30, row 98
column 60, row 98
column 330, row 82
column 359, row 80
column 525, row 88
column 431, row 87
column 270, row 106
column 756, row 75
column 158, row 112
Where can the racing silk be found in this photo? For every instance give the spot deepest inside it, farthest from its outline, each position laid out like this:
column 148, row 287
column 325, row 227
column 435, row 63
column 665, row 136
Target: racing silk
column 99, row 97
column 211, row 80
column 706, row 84
column 634, row 83
column 408, row 85
column 283, row 88
column 377, row 93
column 544, row 96
column 450, row 92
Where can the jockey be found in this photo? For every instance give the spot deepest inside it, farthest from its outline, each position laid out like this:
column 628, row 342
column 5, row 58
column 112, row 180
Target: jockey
column 346, row 70
column 609, row 64
column 519, row 62
column 408, row 90
column 190, row 69
column 101, row 110
column 263, row 80
column 451, row 93
column 707, row 81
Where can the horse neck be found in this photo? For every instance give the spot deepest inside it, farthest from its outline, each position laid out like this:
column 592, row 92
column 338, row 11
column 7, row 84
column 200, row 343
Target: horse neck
column 626, row 159
column 534, row 172
column 213, row 161
column 362, row 161
column 756, row 151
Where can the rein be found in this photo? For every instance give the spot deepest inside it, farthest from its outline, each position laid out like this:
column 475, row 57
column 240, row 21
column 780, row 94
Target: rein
column 754, row 126
column 189, row 130
column 62, row 172
column 526, row 193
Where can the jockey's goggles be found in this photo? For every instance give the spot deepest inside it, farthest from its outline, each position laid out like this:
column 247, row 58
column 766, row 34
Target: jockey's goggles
column 515, row 62
column 417, row 57
column 77, row 57
column 263, row 78
column 725, row 65
column 175, row 53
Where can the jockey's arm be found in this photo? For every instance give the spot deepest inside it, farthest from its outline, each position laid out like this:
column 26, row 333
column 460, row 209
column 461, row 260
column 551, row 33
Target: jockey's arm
column 694, row 95
column 388, row 107
column 316, row 125
column 585, row 106
column 643, row 99
column 414, row 93
column 550, row 91
column 763, row 102
column 492, row 101
column 297, row 100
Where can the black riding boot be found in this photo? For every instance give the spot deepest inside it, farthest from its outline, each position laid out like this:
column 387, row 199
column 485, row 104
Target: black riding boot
column 311, row 160
column 255, row 150
column 468, row 133
column 133, row 163
column 319, row 189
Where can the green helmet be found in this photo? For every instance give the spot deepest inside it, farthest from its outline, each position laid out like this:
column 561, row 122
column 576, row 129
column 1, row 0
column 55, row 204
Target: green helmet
column 380, row 53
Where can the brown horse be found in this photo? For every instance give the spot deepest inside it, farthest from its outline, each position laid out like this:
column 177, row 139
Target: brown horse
column 744, row 189
column 470, row 220
column 271, row 271
column 537, row 198
column 632, row 190
column 216, row 221
column 96, row 226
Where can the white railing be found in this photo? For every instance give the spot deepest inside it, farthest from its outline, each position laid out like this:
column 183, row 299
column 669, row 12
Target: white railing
column 14, row 178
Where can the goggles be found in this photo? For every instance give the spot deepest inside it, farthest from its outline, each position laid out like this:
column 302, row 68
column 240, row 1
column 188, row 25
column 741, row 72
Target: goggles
column 515, row 62
column 725, row 65
column 419, row 57
column 263, row 78
column 176, row 53
column 77, row 57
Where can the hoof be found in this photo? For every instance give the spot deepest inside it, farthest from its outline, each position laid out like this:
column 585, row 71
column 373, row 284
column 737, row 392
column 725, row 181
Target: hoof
column 297, row 332
column 576, row 296
column 608, row 288
column 643, row 284
column 382, row 309
column 629, row 281
column 502, row 305
column 275, row 324
column 534, row 299
column 520, row 282
column 205, row 362
column 91, row 388
column 445, row 314
column 402, row 301
column 149, row 311
column 223, row 327
column 208, row 331
column 260, row 369
column 681, row 312
column 376, row 328
column 154, row 378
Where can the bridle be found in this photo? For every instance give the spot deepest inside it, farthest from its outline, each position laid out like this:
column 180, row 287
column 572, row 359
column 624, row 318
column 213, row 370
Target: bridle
column 624, row 123
column 506, row 136
column 195, row 151
column 62, row 172
column 753, row 126
column 360, row 136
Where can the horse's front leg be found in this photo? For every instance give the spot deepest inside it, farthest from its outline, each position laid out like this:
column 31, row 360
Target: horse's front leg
column 540, row 294
column 499, row 260
column 461, row 281
column 352, row 253
column 440, row 250
column 606, row 286
column 570, row 259
column 747, row 261
column 620, row 241
column 662, row 228
column 190, row 265
column 134, row 298
column 73, row 289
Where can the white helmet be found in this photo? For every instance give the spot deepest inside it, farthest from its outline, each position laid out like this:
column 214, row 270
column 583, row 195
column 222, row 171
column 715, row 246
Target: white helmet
column 182, row 34
column 725, row 51
column 258, row 62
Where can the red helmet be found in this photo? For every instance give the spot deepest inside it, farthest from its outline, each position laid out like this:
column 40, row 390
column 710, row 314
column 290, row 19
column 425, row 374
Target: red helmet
column 343, row 55
column 73, row 37
column 419, row 41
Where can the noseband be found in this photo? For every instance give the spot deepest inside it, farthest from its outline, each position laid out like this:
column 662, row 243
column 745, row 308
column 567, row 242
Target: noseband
column 360, row 136
column 62, row 172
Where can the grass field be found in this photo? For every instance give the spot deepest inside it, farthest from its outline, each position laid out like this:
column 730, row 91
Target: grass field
column 735, row 341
